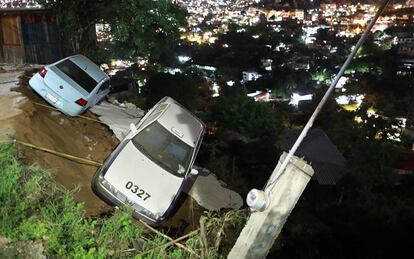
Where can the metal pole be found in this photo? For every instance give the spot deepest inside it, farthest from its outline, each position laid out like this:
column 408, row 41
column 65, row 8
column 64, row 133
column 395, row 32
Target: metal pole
column 325, row 97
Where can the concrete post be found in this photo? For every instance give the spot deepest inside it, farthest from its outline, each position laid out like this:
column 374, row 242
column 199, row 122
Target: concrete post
column 262, row 228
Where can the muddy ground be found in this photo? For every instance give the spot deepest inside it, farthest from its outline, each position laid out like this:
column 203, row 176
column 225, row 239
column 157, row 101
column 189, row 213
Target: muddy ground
column 84, row 138
column 48, row 128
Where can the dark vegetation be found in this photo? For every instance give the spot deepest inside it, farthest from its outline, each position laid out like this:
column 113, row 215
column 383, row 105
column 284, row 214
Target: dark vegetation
column 367, row 213
column 139, row 28
column 161, row 84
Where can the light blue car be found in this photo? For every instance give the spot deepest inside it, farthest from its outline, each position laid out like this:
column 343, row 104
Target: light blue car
column 72, row 84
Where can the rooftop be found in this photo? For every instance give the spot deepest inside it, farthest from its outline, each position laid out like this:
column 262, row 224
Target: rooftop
column 318, row 150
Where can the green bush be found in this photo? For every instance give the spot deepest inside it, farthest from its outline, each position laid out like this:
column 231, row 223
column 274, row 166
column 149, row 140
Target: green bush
column 181, row 87
column 33, row 208
column 242, row 114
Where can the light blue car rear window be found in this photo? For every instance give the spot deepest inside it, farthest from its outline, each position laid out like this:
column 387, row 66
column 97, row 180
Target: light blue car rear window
column 77, row 74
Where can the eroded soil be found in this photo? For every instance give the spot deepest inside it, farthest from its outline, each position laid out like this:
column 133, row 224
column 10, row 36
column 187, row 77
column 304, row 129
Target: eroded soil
column 45, row 127
column 48, row 128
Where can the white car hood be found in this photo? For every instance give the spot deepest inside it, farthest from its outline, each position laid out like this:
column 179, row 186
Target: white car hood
column 132, row 166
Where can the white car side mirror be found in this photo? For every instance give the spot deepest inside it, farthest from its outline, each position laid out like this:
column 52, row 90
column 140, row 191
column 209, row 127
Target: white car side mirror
column 194, row 172
column 133, row 128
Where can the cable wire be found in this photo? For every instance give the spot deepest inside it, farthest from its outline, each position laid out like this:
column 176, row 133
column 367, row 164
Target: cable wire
column 61, row 154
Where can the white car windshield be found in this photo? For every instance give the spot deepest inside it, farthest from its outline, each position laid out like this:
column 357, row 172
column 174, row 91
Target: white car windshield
column 164, row 148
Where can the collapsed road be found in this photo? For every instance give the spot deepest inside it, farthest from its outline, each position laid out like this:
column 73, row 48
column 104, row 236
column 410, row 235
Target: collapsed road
column 23, row 118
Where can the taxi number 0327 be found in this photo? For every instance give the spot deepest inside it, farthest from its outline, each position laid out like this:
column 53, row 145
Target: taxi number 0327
column 136, row 190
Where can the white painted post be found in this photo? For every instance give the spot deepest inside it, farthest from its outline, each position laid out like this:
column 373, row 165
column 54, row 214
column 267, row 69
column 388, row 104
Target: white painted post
column 262, row 228
column 286, row 183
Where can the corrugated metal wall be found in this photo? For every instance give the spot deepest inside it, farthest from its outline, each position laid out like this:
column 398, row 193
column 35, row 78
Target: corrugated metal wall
column 41, row 39
column 1, row 41
column 30, row 38
column 13, row 50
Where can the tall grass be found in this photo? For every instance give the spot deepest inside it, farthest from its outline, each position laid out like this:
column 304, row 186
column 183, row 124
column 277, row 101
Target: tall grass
column 33, row 208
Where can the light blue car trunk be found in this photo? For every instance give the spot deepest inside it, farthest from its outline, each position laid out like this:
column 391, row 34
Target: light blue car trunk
column 63, row 85
column 72, row 84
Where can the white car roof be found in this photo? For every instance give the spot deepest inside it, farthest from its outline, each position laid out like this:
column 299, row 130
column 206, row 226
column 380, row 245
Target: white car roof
column 177, row 119
column 91, row 68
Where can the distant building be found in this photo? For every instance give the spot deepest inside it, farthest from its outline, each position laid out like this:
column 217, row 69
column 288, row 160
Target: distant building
column 250, row 76
column 267, row 64
column 409, row 3
column 406, row 40
column 406, row 45
column 18, row 4
column 28, row 35
column 406, row 49
column 102, row 32
column 328, row 9
column 406, row 67
column 405, row 162
column 260, row 96
column 282, row 15
column 299, row 14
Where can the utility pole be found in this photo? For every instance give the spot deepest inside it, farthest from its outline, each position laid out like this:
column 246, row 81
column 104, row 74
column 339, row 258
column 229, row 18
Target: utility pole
column 262, row 228
column 272, row 206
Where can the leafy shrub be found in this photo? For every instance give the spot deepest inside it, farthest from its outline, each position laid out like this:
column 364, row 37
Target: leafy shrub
column 243, row 115
column 33, row 207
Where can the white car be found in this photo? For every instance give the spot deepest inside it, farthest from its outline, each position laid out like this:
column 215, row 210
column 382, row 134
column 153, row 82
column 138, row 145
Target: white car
column 150, row 166
column 72, row 84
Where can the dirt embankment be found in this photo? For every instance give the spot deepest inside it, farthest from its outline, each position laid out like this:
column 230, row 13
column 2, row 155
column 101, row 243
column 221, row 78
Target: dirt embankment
column 9, row 102
column 26, row 117
column 47, row 128
column 23, row 119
